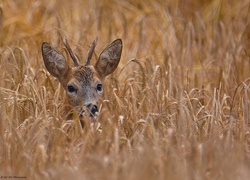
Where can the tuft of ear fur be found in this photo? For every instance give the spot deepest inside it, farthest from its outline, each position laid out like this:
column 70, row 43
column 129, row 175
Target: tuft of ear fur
column 109, row 58
column 54, row 61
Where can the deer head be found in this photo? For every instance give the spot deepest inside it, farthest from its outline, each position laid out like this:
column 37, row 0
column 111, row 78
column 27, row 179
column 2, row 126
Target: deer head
column 82, row 83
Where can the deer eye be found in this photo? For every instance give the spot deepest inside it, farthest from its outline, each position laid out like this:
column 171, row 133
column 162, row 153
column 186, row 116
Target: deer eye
column 71, row 89
column 99, row 87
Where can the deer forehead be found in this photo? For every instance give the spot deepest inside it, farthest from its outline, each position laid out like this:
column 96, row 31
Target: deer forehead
column 85, row 75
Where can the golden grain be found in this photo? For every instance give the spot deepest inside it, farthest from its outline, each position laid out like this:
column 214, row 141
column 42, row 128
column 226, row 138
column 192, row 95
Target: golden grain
column 177, row 107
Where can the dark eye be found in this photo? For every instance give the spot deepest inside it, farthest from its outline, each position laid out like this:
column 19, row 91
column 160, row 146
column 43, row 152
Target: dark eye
column 99, row 87
column 71, row 89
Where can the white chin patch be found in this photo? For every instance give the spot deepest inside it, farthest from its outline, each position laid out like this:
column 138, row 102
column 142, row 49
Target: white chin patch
column 96, row 114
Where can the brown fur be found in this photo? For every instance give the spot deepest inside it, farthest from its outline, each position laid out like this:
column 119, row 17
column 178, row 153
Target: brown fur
column 82, row 80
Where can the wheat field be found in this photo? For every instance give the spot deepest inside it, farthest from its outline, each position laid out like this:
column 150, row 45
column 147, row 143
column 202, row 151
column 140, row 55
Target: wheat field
column 177, row 107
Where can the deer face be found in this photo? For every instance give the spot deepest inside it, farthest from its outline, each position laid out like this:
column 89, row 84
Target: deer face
column 83, row 83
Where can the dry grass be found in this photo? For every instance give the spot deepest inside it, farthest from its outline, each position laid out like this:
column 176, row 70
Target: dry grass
column 176, row 108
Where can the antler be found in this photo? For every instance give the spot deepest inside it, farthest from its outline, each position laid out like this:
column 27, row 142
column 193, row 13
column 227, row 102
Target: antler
column 91, row 51
column 72, row 55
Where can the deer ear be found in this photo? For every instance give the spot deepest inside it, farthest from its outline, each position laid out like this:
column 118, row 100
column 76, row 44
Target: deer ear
column 54, row 61
column 109, row 58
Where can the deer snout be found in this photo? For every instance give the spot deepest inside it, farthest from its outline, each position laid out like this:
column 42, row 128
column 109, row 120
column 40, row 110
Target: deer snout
column 92, row 109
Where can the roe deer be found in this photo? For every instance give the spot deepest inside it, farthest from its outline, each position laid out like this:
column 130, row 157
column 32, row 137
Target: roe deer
column 82, row 83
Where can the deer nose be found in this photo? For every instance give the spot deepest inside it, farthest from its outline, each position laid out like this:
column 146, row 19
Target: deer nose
column 93, row 110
